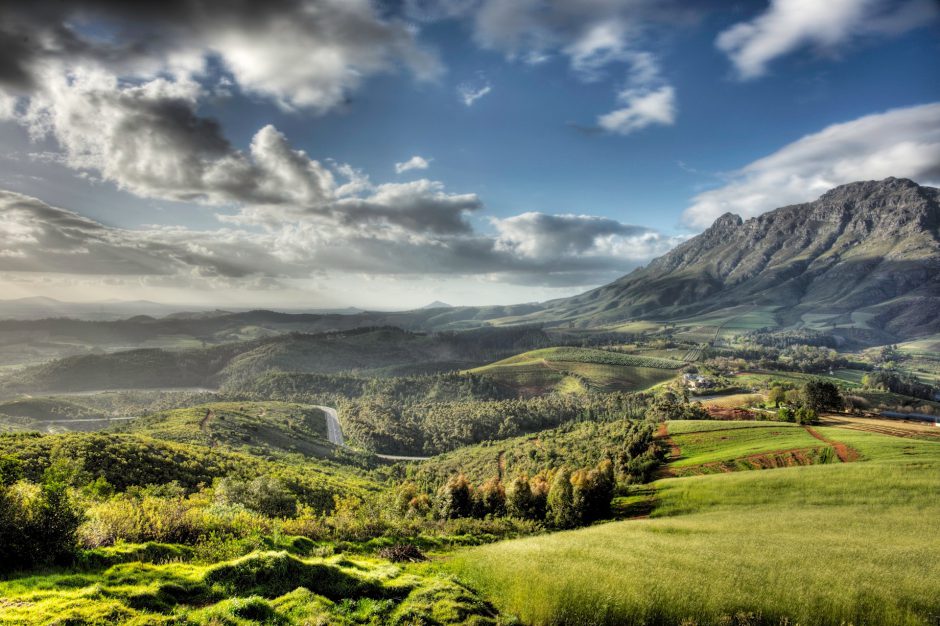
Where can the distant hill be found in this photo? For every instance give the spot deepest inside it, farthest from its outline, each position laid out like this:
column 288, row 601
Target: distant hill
column 368, row 351
column 437, row 304
column 863, row 259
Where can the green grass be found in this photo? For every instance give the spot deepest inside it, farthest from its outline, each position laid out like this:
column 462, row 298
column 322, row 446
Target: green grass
column 847, row 543
column 552, row 369
column 713, row 445
column 263, row 587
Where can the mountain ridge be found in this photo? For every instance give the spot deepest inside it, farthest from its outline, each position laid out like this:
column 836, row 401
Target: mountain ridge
column 866, row 249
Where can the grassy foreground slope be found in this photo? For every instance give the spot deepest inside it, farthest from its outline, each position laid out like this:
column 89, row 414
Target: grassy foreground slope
column 841, row 543
column 261, row 588
column 579, row 369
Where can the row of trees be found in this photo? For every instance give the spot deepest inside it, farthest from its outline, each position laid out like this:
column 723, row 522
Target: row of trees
column 560, row 498
column 903, row 383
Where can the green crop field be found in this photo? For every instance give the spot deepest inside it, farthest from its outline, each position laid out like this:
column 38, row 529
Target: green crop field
column 842, row 543
column 570, row 370
column 713, row 445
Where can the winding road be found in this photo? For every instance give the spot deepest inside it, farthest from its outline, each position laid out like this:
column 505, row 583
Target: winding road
column 335, row 434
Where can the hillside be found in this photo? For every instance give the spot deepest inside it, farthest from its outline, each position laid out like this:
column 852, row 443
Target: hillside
column 575, row 370
column 372, row 351
column 826, row 543
column 862, row 260
column 259, row 428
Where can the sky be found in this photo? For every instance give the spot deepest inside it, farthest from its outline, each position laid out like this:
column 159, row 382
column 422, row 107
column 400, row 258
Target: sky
column 329, row 153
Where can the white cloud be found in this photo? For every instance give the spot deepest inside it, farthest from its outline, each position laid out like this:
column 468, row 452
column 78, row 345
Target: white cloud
column 414, row 163
column 301, row 54
column 789, row 25
column 900, row 142
column 642, row 108
column 561, row 238
column 471, row 92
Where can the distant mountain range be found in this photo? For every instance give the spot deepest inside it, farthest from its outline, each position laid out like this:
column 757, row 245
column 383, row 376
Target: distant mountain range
column 863, row 258
column 37, row 308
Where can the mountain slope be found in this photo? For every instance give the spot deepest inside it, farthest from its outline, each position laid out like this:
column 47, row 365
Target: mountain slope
column 864, row 255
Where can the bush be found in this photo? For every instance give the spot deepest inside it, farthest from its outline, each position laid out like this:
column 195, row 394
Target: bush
column 38, row 525
column 402, row 552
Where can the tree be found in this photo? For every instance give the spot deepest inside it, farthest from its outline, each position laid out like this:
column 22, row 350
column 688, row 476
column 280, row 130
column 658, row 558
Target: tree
column 519, row 500
column 455, row 498
column 777, row 395
column 561, row 507
column 822, row 395
column 805, row 415
column 493, row 497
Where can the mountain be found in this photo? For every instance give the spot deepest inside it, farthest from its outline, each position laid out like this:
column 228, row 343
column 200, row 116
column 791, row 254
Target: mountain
column 437, row 304
column 864, row 258
column 47, row 308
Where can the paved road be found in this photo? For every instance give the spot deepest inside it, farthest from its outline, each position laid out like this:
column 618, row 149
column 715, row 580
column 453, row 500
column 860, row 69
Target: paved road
column 333, row 431
column 335, row 434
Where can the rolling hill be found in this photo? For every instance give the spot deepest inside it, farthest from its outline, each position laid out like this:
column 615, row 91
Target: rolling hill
column 578, row 369
column 372, row 351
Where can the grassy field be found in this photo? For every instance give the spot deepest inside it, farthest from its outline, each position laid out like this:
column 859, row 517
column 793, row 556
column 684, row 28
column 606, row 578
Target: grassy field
column 699, row 447
column 571, row 370
column 843, row 543
column 273, row 587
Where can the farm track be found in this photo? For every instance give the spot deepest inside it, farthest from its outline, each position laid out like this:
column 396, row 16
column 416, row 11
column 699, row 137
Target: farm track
column 666, row 471
column 845, row 453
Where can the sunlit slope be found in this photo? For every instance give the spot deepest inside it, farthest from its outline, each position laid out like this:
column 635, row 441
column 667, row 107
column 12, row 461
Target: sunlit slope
column 579, row 369
column 821, row 544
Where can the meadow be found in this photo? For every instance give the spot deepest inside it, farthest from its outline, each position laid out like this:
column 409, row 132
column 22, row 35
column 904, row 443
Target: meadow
column 576, row 370
column 842, row 543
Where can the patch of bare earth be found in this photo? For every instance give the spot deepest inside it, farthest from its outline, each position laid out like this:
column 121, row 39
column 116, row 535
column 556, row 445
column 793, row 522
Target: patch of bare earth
column 845, row 453
column 766, row 460
column 662, row 437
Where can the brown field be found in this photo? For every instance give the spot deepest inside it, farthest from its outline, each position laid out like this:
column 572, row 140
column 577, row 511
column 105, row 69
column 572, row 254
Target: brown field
column 893, row 427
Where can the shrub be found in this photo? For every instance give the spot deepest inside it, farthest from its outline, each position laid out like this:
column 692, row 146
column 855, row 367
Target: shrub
column 38, row 525
column 402, row 552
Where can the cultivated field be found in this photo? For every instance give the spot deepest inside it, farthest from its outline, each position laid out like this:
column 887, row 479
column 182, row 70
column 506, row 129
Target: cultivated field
column 577, row 369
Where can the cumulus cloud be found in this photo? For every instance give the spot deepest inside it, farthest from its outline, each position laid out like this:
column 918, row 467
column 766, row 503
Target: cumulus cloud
column 414, row 163
column 790, row 25
column 147, row 138
column 647, row 99
column 530, row 249
column 901, row 142
column 538, row 236
column 302, row 54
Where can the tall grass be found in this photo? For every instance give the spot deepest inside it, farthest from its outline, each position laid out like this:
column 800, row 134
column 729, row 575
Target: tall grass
column 853, row 543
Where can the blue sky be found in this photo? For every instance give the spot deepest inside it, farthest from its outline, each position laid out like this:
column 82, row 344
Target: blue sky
column 603, row 133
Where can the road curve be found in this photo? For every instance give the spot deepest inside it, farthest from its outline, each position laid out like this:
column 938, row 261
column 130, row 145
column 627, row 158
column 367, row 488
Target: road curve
column 335, row 434
column 333, row 431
